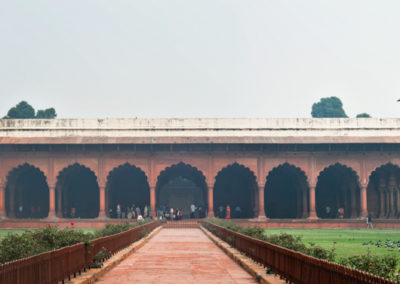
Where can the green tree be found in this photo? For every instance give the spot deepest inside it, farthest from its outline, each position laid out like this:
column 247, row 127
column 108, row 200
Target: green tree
column 364, row 114
column 21, row 110
column 46, row 113
column 328, row 107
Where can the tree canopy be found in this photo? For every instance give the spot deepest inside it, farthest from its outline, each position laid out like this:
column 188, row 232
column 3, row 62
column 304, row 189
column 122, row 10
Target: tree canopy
column 24, row 110
column 364, row 114
column 328, row 107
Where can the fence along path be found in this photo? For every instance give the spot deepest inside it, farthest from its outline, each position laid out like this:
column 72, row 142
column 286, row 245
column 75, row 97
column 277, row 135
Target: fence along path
column 58, row 265
column 293, row 266
column 178, row 255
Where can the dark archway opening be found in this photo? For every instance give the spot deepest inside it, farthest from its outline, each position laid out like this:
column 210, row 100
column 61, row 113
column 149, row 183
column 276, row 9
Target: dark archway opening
column 235, row 186
column 337, row 193
column 180, row 186
column 27, row 193
column 383, row 195
column 79, row 192
column 286, row 193
column 127, row 186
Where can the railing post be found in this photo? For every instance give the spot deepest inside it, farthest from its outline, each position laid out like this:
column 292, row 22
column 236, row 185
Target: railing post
column 153, row 211
column 210, row 200
column 363, row 199
column 313, row 213
column 2, row 202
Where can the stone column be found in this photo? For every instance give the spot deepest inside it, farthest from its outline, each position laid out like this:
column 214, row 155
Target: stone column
column 353, row 203
column 381, row 189
column 102, row 212
column 391, row 187
column 397, row 202
column 261, row 205
column 52, row 202
column 11, row 207
column 153, row 201
column 313, row 213
column 2, row 202
column 210, row 200
column 305, row 205
column 363, row 201
column 59, row 211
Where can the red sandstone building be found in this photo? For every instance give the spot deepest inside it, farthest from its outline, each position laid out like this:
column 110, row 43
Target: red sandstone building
column 275, row 168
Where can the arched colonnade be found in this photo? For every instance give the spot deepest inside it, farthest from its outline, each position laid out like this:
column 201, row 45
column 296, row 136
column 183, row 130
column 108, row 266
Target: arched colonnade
column 283, row 192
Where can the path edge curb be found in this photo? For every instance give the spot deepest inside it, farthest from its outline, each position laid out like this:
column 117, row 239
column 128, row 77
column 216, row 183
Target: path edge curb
column 94, row 274
column 256, row 270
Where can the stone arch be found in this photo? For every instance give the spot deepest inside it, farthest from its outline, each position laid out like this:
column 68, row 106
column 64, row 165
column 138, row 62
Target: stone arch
column 236, row 186
column 337, row 189
column 383, row 192
column 286, row 192
column 77, row 192
column 127, row 185
column 27, row 192
column 181, row 185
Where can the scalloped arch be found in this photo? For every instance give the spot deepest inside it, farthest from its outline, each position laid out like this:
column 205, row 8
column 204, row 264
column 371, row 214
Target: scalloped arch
column 286, row 164
column 163, row 174
column 67, row 168
column 352, row 171
column 25, row 165
column 127, row 164
column 236, row 164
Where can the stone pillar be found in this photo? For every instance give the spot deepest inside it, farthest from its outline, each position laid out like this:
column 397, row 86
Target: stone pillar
column 261, row 205
column 52, row 202
column 313, row 213
column 153, row 201
column 353, row 203
column 305, row 205
column 381, row 189
column 398, row 202
column 59, row 211
column 2, row 202
column 11, row 207
column 210, row 200
column 391, row 203
column 381, row 204
column 102, row 212
column 363, row 201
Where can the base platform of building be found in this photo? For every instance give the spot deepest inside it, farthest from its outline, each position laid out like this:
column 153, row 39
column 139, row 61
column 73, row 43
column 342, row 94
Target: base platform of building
column 9, row 223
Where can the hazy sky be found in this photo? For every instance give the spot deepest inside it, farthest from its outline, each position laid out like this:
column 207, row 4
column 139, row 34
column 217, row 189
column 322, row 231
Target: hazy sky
column 204, row 58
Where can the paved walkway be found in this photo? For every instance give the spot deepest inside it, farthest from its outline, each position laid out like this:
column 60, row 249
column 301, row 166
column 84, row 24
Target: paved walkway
column 178, row 256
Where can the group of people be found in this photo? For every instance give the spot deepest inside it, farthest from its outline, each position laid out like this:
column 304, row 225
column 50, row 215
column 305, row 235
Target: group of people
column 338, row 214
column 130, row 212
column 33, row 212
column 170, row 213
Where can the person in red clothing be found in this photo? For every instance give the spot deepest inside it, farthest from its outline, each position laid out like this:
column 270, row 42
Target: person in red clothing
column 228, row 212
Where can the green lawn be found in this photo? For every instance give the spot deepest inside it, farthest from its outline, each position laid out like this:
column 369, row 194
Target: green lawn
column 348, row 241
column 4, row 232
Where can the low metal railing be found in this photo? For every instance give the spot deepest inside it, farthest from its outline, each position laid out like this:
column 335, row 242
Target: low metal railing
column 58, row 265
column 290, row 265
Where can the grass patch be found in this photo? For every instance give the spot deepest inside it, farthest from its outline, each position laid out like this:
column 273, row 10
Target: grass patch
column 348, row 241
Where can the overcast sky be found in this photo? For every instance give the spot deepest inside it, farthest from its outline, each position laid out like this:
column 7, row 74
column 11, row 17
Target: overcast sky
column 204, row 58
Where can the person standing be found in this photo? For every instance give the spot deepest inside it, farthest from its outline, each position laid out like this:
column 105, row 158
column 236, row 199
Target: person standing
column 145, row 211
column 369, row 222
column 118, row 211
column 192, row 210
column 228, row 212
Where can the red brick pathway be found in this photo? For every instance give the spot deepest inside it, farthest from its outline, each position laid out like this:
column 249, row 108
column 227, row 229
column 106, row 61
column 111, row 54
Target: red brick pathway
column 178, row 256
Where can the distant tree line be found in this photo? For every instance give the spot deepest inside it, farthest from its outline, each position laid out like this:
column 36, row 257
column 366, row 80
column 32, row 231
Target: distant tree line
column 25, row 110
column 331, row 107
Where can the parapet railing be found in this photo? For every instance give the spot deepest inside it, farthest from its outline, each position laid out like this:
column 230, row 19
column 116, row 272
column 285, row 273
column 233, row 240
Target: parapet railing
column 290, row 265
column 58, row 265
